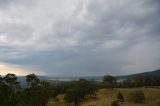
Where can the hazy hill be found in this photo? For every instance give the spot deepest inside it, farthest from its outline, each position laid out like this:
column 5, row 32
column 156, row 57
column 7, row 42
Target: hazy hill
column 155, row 73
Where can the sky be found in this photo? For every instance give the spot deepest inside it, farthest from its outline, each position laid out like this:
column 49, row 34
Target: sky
column 79, row 37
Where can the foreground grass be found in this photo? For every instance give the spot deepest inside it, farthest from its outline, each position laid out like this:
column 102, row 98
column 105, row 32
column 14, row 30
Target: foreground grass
column 106, row 96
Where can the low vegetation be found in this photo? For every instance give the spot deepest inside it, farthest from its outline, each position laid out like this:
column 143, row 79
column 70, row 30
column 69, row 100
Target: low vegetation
column 136, row 96
column 114, row 103
column 157, row 102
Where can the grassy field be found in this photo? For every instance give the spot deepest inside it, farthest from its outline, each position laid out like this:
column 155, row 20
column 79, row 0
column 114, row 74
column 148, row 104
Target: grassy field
column 106, row 96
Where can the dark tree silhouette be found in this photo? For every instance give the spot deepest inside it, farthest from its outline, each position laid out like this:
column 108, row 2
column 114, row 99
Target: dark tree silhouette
column 79, row 91
column 109, row 81
column 37, row 93
column 32, row 80
column 9, row 88
column 120, row 97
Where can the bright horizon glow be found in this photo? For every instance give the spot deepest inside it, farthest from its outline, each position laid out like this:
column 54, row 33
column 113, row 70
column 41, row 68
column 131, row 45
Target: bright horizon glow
column 5, row 69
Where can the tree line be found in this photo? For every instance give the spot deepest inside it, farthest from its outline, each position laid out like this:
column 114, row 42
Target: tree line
column 133, row 82
column 38, row 93
column 140, row 81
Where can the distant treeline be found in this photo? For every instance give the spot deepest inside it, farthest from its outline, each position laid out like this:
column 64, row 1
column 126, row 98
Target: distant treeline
column 139, row 81
column 38, row 93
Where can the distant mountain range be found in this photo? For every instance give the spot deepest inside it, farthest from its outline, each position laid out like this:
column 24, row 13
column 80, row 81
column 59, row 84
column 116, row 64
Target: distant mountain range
column 155, row 73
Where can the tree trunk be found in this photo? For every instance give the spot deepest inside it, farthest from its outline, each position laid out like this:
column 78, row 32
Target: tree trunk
column 76, row 103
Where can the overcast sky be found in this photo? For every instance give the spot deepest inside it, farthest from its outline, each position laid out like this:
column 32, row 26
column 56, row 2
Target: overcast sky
column 80, row 37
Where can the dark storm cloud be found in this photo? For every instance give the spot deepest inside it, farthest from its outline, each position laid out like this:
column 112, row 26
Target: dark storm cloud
column 99, row 37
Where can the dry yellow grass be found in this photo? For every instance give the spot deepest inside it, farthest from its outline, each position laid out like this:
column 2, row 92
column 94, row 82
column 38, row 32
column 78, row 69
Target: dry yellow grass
column 106, row 96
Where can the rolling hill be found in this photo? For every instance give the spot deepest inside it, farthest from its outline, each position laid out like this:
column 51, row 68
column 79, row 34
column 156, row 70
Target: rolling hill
column 155, row 73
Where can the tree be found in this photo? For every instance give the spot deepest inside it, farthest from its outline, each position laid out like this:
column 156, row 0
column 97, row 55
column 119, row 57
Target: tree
column 9, row 88
column 60, row 88
column 73, row 95
column 109, row 81
column 1, row 79
column 32, row 80
column 79, row 91
column 37, row 92
column 46, row 92
column 11, row 81
column 137, row 81
column 89, row 88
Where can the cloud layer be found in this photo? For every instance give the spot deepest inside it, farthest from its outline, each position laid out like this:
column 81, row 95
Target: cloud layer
column 81, row 37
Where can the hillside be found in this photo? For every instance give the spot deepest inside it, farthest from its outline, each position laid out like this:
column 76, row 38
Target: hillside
column 155, row 73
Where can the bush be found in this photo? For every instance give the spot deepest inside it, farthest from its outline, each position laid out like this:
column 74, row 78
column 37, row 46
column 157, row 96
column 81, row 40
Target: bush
column 79, row 90
column 114, row 103
column 120, row 97
column 136, row 96
column 157, row 103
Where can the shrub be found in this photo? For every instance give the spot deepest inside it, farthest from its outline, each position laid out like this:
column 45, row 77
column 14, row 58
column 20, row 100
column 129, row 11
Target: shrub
column 120, row 97
column 114, row 103
column 157, row 103
column 136, row 96
column 79, row 91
